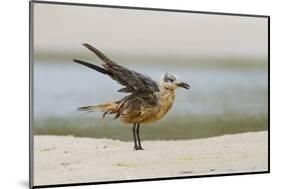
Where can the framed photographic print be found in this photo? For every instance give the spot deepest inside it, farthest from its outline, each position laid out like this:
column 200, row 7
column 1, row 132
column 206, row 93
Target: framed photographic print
column 123, row 94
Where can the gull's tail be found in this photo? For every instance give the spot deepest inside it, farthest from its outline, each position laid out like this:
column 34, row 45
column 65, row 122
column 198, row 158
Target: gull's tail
column 107, row 108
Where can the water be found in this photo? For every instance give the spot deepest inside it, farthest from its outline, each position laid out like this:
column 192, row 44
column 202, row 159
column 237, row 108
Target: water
column 232, row 94
column 60, row 88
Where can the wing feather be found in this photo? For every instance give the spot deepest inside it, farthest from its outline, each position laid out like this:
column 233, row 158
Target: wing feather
column 133, row 81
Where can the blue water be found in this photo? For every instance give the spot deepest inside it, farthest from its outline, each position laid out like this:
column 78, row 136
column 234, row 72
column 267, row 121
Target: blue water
column 59, row 88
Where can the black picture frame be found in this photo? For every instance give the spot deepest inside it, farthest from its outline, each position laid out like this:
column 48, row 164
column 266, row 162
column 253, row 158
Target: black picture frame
column 31, row 102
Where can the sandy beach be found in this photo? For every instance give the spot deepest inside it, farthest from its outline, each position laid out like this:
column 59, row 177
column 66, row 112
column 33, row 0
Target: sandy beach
column 68, row 159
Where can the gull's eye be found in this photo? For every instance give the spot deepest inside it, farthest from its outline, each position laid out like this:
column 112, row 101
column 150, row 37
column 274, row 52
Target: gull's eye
column 170, row 80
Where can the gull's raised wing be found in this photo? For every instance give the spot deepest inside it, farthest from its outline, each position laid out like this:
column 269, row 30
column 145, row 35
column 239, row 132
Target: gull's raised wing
column 132, row 81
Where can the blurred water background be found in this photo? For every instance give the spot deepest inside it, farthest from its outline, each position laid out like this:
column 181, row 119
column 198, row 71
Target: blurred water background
column 220, row 101
column 223, row 58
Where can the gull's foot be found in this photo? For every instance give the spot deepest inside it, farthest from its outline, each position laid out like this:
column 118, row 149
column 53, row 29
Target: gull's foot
column 138, row 148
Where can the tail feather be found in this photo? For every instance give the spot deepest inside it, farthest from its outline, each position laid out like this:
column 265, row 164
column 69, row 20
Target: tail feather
column 87, row 108
column 110, row 108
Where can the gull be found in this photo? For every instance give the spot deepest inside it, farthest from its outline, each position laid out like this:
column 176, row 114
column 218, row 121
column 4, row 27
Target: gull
column 147, row 101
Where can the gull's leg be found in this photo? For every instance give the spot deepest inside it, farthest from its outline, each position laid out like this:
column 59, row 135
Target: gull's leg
column 134, row 134
column 138, row 137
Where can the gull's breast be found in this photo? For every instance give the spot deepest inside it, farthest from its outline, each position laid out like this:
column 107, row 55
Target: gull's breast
column 166, row 100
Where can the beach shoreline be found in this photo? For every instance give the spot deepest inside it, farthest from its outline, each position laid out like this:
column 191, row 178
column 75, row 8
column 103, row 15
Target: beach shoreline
column 68, row 159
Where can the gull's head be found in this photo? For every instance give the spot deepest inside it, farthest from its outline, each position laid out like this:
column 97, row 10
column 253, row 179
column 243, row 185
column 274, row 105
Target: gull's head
column 170, row 81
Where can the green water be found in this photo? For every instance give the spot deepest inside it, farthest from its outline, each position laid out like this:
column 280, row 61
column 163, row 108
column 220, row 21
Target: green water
column 171, row 128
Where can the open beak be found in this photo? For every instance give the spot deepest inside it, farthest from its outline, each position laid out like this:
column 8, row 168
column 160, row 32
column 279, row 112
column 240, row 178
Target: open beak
column 183, row 85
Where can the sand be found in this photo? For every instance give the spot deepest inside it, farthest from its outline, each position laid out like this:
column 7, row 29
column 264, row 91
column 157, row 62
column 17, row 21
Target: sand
column 67, row 159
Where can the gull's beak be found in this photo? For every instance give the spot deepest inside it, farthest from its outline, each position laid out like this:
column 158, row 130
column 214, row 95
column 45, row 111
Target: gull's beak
column 183, row 85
